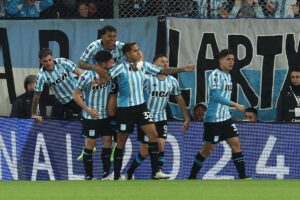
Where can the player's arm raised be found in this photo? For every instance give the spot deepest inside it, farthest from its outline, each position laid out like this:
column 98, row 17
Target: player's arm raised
column 189, row 67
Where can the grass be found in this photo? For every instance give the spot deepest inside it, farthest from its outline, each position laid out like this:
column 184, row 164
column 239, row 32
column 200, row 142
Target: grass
column 152, row 190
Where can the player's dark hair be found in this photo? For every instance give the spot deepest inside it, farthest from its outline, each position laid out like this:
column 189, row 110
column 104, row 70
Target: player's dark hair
column 157, row 56
column 44, row 52
column 252, row 110
column 294, row 69
column 223, row 53
column 103, row 56
column 127, row 47
column 106, row 29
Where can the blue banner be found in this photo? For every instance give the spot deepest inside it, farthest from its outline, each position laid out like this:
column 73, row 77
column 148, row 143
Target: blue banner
column 48, row 151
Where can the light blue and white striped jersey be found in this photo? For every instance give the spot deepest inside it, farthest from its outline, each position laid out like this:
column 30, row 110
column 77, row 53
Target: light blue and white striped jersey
column 90, row 52
column 131, row 82
column 95, row 95
column 202, row 8
column 219, row 90
column 60, row 81
column 284, row 8
column 157, row 92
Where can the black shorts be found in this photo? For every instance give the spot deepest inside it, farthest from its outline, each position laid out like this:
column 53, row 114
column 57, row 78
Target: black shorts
column 127, row 117
column 95, row 128
column 215, row 132
column 72, row 105
column 161, row 128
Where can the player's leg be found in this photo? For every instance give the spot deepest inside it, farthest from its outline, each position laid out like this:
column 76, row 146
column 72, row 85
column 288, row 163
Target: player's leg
column 88, row 157
column 105, row 155
column 118, row 154
column 162, row 131
column 232, row 139
column 237, row 156
column 140, row 156
column 105, row 129
column 206, row 150
column 90, row 134
column 211, row 137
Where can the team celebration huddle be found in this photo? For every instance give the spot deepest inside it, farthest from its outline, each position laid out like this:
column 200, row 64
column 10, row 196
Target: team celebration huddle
column 116, row 90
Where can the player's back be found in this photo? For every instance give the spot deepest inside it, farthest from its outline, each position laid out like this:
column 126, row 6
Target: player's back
column 219, row 81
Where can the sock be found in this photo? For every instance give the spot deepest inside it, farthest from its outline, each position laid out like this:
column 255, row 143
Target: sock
column 138, row 159
column 118, row 159
column 153, row 152
column 197, row 165
column 88, row 161
column 105, row 157
column 239, row 162
column 161, row 159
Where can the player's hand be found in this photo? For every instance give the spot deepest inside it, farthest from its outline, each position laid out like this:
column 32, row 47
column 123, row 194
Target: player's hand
column 185, row 126
column 38, row 118
column 94, row 114
column 189, row 67
column 240, row 107
column 102, row 72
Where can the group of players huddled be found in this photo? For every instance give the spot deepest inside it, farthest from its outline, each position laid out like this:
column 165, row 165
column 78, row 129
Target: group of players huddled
column 117, row 90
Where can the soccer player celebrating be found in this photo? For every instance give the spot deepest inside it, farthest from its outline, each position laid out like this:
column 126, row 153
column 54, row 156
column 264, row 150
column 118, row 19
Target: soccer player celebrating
column 157, row 90
column 218, row 125
column 95, row 118
column 132, row 108
column 57, row 73
column 108, row 41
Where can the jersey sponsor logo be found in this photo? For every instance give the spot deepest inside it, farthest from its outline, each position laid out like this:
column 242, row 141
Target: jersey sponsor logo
column 160, row 94
column 97, row 86
column 59, row 80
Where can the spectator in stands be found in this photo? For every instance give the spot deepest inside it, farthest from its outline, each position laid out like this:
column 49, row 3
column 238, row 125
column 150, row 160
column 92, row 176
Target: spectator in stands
column 21, row 107
column 251, row 115
column 287, row 9
column 27, row 8
column 246, row 8
column 82, row 10
column 199, row 111
column 288, row 105
column 2, row 8
column 268, row 7
column 93, row 9
column 210, row 9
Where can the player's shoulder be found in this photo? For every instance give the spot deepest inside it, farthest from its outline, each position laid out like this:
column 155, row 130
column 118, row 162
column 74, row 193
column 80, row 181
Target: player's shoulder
column 119, row 44
column 94, row 45
column 85, row 75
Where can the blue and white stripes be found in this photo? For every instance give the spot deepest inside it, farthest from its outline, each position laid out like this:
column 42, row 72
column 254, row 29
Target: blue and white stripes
column 60, row 80
column 89, row 54
column 219, row 94
column 157, row 94
column 95, row 95
column 131, row 82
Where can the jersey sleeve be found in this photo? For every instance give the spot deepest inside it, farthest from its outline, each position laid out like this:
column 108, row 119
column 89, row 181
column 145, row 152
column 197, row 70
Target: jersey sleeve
column 116, row 70
column 89, row 52
column 151, row 69
column 84, row 80
column 68, row 64
column 114, row 86
column 40, row 81
column 175, row 87
column 214, row 81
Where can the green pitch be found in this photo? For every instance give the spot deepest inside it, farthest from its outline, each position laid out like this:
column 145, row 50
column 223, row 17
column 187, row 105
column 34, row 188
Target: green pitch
column 152, row 190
